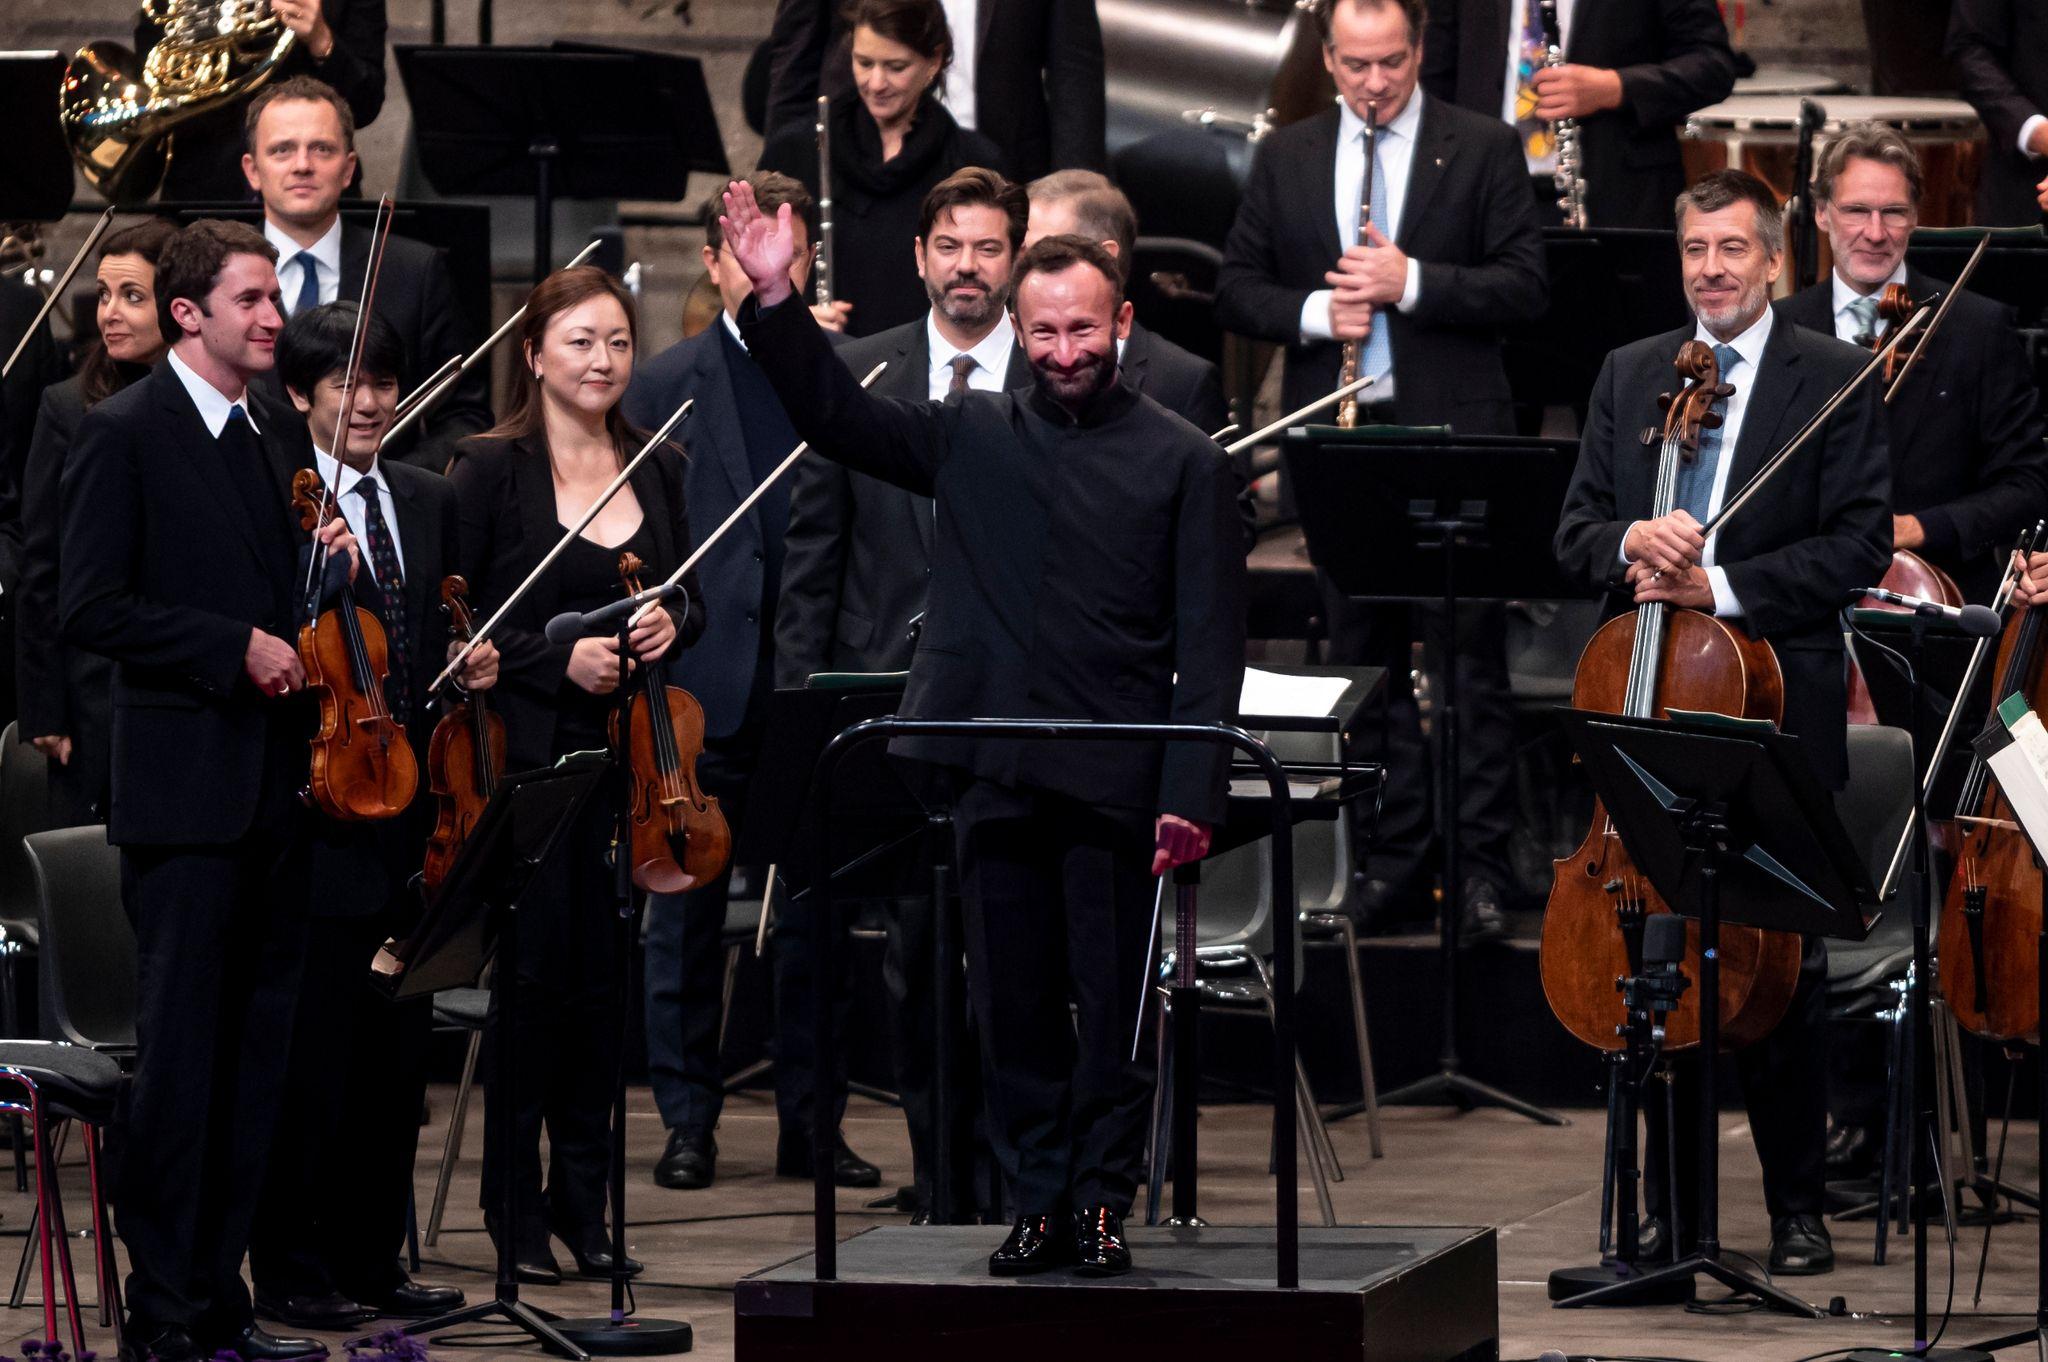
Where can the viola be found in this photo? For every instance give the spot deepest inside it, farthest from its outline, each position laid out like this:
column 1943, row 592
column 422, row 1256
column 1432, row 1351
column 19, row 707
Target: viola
column 1909, row 575
column 363, row 767
column 1643, row 664
column 466, row 755
column 1991, row 914
column 679, row 834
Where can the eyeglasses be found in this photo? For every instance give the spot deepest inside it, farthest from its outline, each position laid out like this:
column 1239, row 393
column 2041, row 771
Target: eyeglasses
column 1894, row 215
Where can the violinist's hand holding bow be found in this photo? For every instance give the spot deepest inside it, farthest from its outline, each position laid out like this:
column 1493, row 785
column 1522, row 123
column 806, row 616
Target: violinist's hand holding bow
column 1177, row 841
column 1668, row 543
column 1687, row 587
column 338, row 538
column 763, row 245
column 479, row 669
column 2032, row 587
column 653, row 634
column 1375, row 273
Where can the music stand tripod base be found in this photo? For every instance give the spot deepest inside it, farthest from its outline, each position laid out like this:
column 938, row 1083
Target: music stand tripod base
column 604, row 1336
column 1568, row 1282
column 1933, row 1355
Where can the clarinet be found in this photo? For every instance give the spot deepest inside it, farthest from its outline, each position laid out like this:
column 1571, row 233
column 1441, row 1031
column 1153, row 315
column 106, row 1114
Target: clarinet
column 1570, row 177
column 822, row 266
column 1354, row 350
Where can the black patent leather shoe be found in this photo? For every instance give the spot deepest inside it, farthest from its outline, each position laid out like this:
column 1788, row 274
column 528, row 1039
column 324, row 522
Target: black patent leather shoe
column 332, row 1312
column 1800, row 1247
column 592, row 1252
column 689, row 1162
column 255, row 1344
column 415, row 1300
column 1037, row 1243
column 1099, row 1248
column 793, row 1160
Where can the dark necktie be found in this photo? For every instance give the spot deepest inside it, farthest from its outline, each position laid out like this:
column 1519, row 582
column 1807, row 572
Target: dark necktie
column 309, row 283
column 391, row 591
column 963, row 365
column 1865, row 311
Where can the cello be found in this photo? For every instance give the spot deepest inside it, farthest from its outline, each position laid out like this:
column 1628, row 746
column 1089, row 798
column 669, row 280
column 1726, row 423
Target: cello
column 1991, row 913
column 1643, row 664
column 679, row 834
column 465, row 755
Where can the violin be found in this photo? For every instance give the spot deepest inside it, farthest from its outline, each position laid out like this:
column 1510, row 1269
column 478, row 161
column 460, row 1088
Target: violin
column 1642, row 664
column 465, row 756
column 1991, row 914
column 679, row 835
column 1909, row 575
column 363, row 765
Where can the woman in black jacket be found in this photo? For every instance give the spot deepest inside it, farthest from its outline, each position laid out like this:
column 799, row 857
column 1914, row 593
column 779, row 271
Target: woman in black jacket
column 891, row 141
column 65, row 692
column 518, row 489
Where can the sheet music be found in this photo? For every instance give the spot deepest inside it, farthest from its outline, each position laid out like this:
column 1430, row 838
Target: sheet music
column 2021, row 765
column 1276, row 693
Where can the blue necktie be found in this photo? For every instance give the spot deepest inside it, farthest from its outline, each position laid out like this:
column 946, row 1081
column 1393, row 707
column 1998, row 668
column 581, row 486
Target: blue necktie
column 1696, row 479
column 309, row 283
column 1378, row 357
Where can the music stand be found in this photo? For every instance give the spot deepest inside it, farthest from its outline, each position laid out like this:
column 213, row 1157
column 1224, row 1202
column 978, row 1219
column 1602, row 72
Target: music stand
column 37, row 186
column 473, row 916
column 1697, row 803
column 1413, row 516
column 1609, row 286
column 573, row 120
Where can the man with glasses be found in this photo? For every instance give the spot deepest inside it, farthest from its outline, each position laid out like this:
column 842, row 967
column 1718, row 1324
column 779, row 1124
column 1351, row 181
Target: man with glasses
column 1968, row 467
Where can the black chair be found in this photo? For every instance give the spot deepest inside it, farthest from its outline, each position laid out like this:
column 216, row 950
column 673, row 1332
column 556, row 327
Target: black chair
column 87, row 968
column 24, row 809
column 457, row 1009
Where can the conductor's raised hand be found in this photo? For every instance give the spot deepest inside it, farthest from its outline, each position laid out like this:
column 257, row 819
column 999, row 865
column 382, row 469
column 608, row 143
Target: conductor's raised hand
column 764, row 246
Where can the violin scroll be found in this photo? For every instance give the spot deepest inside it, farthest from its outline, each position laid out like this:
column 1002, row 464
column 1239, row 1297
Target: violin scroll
column 309, row 499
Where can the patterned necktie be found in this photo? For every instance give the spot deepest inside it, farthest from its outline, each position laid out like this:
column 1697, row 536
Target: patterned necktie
column 1696, row 479
column 1865, row 312
column 391, row 591
column 1539, row 136
column 962, row 366
column 1378, row 357
column 309, row 282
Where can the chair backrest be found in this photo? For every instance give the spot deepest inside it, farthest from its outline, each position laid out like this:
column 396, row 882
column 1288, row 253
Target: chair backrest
column 24, row 808
column 87, row 961
column 1877, row 802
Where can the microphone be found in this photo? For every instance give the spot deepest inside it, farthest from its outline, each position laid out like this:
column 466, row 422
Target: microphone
column 1979, row 620
column 571, row 625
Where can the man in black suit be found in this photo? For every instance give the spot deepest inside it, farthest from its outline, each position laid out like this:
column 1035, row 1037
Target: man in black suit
column 1968, row 468
column 301, row 156
column 323, row 1252
column 337, row 42
column 1780, row 572
column 736, row 435
column 1633, row 71
column 1999, row 49
column 181, row 558
column 1085, row 203
column 1087, row 563
column 1026, row 74
column 1453, row 254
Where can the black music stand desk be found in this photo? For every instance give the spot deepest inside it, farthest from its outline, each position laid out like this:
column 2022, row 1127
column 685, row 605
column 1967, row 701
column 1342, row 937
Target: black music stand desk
column 1396, row 514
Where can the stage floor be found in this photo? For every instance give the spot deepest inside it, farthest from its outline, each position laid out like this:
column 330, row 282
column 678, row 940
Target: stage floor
column 1538, row 1186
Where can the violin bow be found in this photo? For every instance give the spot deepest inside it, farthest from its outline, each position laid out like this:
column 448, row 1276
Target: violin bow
column 380, row 233
column 92, row 239
column 479, row 636
column 1934, row 324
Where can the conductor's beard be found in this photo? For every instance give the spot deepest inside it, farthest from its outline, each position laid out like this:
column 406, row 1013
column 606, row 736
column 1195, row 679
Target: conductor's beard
column 1079, row 382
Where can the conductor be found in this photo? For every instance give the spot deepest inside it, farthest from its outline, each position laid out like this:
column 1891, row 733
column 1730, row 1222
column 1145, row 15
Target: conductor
column 1087, row 564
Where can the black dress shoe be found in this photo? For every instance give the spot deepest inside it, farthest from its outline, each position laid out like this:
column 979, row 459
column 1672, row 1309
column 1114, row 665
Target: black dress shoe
column 592, row 1251
column 793, row 1160
column 414, row 1300
column 1483, row 923
column 255, row 1344
column 1800, row 1247
column 332, row 1311
column 1099, row 1248
column 1037, row 1243
column 1851, row 1153
column 142, row 1340
column 689, row 1162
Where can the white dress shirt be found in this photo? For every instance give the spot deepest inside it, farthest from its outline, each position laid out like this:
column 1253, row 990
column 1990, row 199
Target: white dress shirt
column 1518, row 18
column 213, row 404
column 964, row 21
column 2027, row 134
column 326, row 254
column 1846, row 326
column 1741, row 375
column 348, row 495
column 991, row 359
column 1394, row 148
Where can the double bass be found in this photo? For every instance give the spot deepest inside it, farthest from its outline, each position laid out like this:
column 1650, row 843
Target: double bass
column 679, row 834
column 1643, row 664
column 465, row 755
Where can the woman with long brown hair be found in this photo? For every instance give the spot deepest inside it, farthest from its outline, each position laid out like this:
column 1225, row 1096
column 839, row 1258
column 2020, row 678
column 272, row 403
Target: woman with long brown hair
column 66, row 705
column 519, row 488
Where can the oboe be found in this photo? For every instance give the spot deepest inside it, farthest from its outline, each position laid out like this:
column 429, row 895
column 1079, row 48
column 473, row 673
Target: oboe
column 1354, row 350
column 822, row 270
column 1570, row 175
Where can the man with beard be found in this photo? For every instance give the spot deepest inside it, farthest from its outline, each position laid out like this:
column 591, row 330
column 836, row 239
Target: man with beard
column 1779, row 573
column 1086, row 564
column 860, row 558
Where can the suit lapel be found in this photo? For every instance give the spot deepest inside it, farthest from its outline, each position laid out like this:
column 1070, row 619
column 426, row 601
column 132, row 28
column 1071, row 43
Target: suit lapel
column 1320, row 192
column 419, row 547
column 916, row 359
column 1137, row 355
column 1434, row 144
column 717, row 415
column 209, row 468
column 1812, row 307
column 1776, row 383
column 355, row 258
